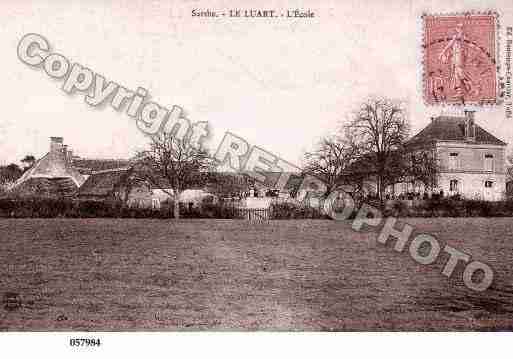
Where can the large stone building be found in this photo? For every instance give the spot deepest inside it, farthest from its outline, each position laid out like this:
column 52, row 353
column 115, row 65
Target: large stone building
column 471, row 160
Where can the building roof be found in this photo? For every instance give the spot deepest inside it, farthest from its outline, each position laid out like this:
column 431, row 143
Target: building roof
column 271, row 178
column 102, row 184
column 52, row 165
column 451, row 128
column 91, row 165
column 47, row 187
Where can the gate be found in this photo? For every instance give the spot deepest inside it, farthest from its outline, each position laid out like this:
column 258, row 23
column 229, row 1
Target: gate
column 255, row 214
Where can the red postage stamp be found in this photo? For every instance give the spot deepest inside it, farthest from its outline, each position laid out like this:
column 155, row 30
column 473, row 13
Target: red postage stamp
column 460, row 54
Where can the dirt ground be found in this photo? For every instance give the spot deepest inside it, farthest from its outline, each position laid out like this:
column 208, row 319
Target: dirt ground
column 138, row 274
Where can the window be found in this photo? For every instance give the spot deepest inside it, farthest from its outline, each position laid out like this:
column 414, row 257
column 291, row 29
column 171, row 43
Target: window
column 453, row 186
column 453, row 160
column 488, row 184
column 488, row 164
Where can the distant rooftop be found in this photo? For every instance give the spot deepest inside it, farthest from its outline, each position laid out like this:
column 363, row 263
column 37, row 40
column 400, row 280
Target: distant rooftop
column 91, row 165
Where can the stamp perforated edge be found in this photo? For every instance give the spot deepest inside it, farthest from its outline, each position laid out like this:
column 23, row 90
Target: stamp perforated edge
column 498, row 91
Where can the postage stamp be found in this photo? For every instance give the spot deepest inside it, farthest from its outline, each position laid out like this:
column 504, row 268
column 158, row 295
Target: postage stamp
column 460, row 58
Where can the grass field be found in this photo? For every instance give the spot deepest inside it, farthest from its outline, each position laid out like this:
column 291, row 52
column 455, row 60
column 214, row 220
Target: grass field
column 124, row 274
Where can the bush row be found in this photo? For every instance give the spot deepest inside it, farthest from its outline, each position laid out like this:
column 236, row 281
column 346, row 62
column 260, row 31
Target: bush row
column 287, row 210
column 449, row 207
column 51, row 208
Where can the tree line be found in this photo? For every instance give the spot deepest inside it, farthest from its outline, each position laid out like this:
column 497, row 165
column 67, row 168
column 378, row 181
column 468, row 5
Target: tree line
column 372, row 146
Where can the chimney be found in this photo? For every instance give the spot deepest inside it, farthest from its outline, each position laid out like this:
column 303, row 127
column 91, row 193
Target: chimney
column 70, row 156
column 470, row 128
column 55, row 144
column 65, row 153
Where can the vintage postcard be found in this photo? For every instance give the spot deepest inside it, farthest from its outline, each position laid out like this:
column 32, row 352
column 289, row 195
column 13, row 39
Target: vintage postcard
column 186, row 166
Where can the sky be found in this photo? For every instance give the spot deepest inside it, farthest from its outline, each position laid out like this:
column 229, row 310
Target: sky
column 281, row 84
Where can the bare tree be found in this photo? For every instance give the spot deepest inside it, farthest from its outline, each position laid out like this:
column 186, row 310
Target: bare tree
column 509, row 167
column 329, row 161
column 174, row 163
column 412, row 165
column 379, row 129
column 509, row 174
column 421, row 165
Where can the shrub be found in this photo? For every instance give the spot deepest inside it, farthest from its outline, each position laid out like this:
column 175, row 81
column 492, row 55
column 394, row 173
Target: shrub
column 41, row 207
column 451, row 207
column 283, row 210
column 90, row 209
column 289, row 210
column 400, row 209
column 187, row 211
column 52, row 208
column 221, row 210
column 35, row 207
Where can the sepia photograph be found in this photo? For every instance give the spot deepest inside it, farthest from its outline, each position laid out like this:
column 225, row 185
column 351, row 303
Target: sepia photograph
column 264, row 169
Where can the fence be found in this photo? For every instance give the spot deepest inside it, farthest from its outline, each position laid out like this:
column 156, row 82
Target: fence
column 254, row 214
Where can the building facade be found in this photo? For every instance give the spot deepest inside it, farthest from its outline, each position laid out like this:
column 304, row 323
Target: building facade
column 471, row 161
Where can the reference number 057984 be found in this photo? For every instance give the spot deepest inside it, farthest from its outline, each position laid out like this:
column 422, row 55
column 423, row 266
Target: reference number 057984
column 85, row 342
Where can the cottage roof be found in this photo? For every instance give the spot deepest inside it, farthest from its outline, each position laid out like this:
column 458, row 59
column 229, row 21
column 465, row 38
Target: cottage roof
column 52, row 165
column 47, row 187
column 103, row 183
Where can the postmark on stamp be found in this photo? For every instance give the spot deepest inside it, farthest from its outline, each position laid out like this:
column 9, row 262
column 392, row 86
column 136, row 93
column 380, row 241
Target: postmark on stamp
column 460, row 59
